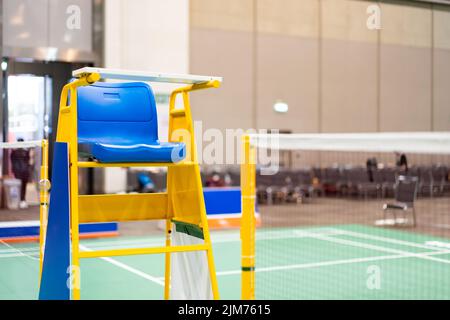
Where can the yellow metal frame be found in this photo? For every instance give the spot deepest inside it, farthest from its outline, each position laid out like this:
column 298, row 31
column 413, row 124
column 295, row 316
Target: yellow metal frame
column 43, row 203
column 248, row 222
column 183, row 200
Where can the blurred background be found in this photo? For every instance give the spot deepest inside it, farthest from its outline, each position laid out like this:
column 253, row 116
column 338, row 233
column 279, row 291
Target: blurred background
column 297, row 66
column 300, row 66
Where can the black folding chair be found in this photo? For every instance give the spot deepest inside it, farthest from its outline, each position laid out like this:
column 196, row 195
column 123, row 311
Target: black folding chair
column 332, row 180
column 389, row 181
column 446, row 182
column 405, row 196
column 426, row 181
column 264, row 185
column 304, row 182
column 439, row 174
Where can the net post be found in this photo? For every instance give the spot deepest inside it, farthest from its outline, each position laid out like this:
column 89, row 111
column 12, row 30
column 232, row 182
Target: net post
column 167, row 261
column 43, row 203
column 248, row 174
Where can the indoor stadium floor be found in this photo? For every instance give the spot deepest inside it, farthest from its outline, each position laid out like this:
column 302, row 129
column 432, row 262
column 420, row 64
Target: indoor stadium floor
column 330, row 262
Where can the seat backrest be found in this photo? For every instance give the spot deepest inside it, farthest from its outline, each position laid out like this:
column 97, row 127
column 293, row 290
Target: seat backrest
column 357, row 175
column 317, row 173
column 378, row 175
column 264, row 180
column 389, row 175
column 304, row 177
column 413, row 171
column 406, row 189
column 438, row 172
column 332, row 174
column 425, row 175
column 282, row 178
column 117, row 113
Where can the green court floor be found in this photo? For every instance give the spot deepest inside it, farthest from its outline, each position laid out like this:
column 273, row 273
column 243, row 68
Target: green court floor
column 337, row 262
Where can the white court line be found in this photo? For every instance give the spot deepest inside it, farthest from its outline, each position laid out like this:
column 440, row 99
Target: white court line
column 377, row 248
column 107, row 259
column 112, row 244
column 31, row 250
column 128, row 268
column 141, row 243
column 18, row 252
column 316, row 235
column 234, row 237
column 332, row 263
column 33, row 256
column 390, row 240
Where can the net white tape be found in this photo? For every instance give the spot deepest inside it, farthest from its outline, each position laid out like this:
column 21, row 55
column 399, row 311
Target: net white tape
column 408, row 142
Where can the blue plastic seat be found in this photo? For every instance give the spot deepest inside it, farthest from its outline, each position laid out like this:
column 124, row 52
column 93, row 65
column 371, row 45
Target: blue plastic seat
column 117, row 122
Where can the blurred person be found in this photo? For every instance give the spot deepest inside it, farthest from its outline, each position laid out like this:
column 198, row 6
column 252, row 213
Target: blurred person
column 371, row 165
column 228, row 182
column 21, row 167
column 215, row 181
column 401, row 162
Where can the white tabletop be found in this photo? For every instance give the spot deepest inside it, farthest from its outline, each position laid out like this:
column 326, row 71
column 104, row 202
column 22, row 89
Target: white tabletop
column 144, row 76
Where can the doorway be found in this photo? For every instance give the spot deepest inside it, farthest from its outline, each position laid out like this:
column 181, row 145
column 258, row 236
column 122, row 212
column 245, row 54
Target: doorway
column 29, row 114
column 31, row 100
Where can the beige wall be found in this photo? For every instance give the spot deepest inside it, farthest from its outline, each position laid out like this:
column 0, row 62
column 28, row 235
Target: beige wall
column 348, row 68
column 141, row 35
column 406, row 68
column 441, row 68
column 320, row 58
column 286, row 42
column 221, row 43
column 229, row 55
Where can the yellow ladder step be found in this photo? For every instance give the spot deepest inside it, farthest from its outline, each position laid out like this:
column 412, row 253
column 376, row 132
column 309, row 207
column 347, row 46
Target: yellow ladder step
column 137, row 251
